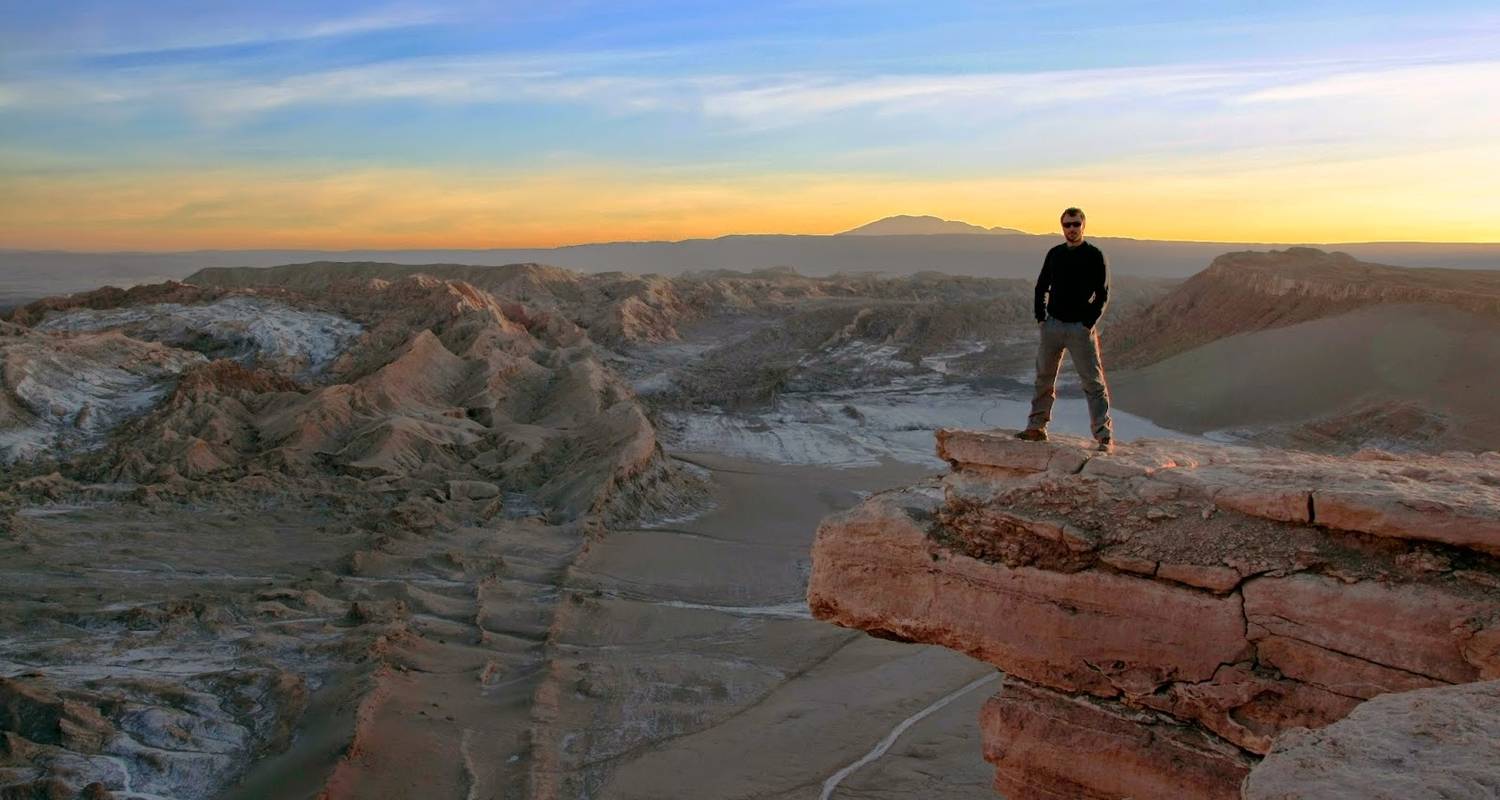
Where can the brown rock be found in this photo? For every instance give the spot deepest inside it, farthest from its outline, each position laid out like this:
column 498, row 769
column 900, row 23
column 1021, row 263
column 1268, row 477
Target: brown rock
column 1286, row 505
column 1248, row 707
column 1398, row 511
column 1049, row 746
column 1129, row 563
column 32, row 709
column 1205, row 576
column 1000, row 450
column 1406, row 627
column 97, row 791
column 1101, row 633
column 1429, row 744
column 1183, row 643
column 1346, row 675
column 1482, row 649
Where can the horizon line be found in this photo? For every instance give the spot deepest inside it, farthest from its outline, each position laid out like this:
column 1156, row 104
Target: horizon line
column 615, row 242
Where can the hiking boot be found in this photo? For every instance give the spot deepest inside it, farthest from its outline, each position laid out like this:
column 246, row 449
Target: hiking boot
column 1106, row 446
column 1033, row 435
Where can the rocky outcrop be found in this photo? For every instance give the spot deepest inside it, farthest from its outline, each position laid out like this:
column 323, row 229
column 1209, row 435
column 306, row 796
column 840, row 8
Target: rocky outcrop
column 1429, row 743
column 619, row 309
column 338, row 510
column 174, row 736
column 61, row 395
column 1252, row 291
column 246, row 328
column 354, row 384
column 112, row 297
column 1174, row 607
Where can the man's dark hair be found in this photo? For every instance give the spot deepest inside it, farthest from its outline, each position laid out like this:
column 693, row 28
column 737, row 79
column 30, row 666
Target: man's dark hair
column 1073, row 211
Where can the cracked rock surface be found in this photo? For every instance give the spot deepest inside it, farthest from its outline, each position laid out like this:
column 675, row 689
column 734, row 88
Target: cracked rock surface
column 1212, row 596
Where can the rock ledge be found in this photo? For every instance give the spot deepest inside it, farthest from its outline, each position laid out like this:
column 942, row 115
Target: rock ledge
column 1174, row 607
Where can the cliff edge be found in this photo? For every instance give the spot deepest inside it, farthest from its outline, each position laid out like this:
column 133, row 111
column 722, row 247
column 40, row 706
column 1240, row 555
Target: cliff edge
column 1165, row 613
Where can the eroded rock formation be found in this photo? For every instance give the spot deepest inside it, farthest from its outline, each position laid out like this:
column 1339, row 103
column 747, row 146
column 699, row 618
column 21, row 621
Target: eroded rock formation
column 1165, row 612
column 231, row 514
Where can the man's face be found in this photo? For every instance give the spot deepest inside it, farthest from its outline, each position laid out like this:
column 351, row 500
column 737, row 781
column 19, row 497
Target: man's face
column 1072, row 226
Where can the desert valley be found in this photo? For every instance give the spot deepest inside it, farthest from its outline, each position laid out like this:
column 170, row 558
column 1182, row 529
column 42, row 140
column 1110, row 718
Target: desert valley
column 363, row 529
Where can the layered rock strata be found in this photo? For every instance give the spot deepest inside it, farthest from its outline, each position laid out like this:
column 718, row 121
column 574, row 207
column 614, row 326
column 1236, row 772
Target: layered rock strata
column 1165, row 612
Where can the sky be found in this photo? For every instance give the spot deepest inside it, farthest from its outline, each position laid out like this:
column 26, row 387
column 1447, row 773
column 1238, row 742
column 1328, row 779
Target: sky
column 179, row 124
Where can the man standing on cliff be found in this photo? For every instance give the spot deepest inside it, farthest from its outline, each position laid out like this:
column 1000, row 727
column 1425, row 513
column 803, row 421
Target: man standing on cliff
column 1071, row 294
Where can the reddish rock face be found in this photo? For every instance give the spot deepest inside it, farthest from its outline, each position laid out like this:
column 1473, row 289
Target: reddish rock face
column 1172, row 608
column 1093, row 631
column 1050, row 746
column 1406, row 634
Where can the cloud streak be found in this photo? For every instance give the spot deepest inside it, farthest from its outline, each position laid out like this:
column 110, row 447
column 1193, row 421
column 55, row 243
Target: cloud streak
column 205, row 36
column 616, row 81
column 788, row 90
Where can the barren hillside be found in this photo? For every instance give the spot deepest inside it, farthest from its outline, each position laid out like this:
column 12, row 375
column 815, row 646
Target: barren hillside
column 1251, row 291
column 1398, row 377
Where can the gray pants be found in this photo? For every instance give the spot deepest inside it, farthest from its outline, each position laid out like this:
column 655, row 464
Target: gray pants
column 1082, row 345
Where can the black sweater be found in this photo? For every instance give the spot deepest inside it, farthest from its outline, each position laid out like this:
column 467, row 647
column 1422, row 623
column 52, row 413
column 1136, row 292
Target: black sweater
column 1074, row 284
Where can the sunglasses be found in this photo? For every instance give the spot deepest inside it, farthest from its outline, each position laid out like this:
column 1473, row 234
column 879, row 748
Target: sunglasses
column 1072, row 224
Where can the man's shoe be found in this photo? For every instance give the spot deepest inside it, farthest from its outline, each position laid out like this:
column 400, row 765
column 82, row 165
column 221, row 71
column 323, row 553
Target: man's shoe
column 1033, row 435
column 1106, row 446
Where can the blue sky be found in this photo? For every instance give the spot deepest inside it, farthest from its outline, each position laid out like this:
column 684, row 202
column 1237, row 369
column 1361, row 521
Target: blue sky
column 613, row 117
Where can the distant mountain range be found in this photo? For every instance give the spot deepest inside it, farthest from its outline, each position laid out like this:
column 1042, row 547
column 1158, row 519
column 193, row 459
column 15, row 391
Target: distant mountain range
column 907, row 225
column 900, row 245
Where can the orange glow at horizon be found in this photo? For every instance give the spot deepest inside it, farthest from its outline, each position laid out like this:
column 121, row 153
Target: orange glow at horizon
column 1407, row 198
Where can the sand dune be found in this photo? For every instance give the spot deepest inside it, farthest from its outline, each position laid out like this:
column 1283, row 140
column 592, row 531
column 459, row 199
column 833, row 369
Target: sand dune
column 1250, row 291
column 1408, row 375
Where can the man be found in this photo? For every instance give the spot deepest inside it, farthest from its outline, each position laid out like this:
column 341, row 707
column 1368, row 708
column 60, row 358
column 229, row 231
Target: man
column 1071, row 294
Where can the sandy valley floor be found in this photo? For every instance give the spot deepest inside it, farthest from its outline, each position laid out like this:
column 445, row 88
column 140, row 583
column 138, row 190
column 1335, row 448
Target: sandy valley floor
column 670, row 661
column 688, row 667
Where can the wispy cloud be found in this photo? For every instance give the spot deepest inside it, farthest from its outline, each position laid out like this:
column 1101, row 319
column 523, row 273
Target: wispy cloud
column 795, row 99
column 207, row 33
column 1474, row 79
column 940, row 91
column 760, row 100
column 378, row 20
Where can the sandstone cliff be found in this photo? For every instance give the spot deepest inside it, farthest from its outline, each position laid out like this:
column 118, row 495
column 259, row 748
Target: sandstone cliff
column 1166, row 612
